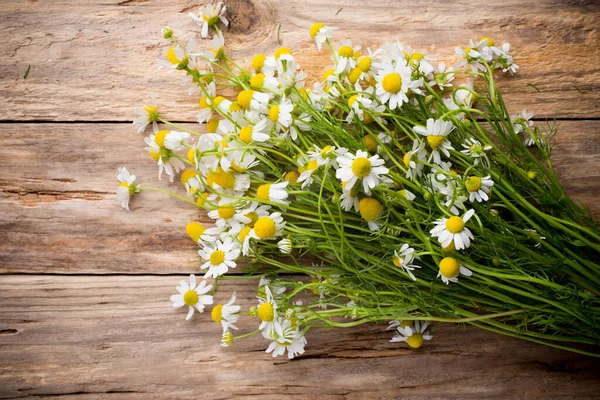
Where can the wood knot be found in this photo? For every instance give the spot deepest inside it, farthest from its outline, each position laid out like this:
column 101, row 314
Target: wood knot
column 250, row 22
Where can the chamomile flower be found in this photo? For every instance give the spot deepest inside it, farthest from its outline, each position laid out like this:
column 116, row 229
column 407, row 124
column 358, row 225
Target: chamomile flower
column 254, row 133
column 349, row 199
column 228, row 216
column 273, row 192
column 307, row 168
column 410, row 196
column 522, row 122
column 254, row 100
column 268, row 227
column 453, row 229
column 192, row 295
column 474, row 149
column 285, row 246
column 226, row 338
column 145, row 116
column 394, row 83
column 299, row 124
column 370, row 210
column 217, row 48
column 505, row 59
column 436, row 133
column 321, row 33
column 345, row 57
column 267, row 308
column 450, row 268
column 281, row 114
column 478, row 188
column 219, row 257
column 177, row 57
column 413, row 160
column 403, row 259
column 126, row 189
column 192, row 182
column 285, row 336
column 326, row 154
column 176, row 141
column 209, row 16
column 441, row 76
column 413, row 334
column 226, row 314
column 356, row 104
column 220, row 179
column 206, row 103
column 359, row 166
column 166, row 161
column 474, row 55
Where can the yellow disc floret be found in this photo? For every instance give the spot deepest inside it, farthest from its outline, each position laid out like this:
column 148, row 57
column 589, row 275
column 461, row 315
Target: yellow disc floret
column 187, row 175
column 490, row 41
column 217, row 257
column 315, row 28
column 246, row 134
column 370, row 208
column 274, row 113
column 204, row 102
column 263, row 191
column 190, row 298
column 265, row 228
column 392, row 83
column 226, row 180
column 397, row 261
column 292, row 176
column 226, row 212
column 191, row 155
column 370, row 144
column 346, row 51
column 364, row 64
column 449, row 267
column 281, row 51
column 352, row 99
column 217, row 313
column 435, row 141
column 243, row 233
column 415, row 341
column 361, row 167
column 354, row 75
column 455, row 224
column 257, row 80
column 266, row 312
column 328, row 73
column 212, row 125
column 244, row 98
column 194, row 230
column 473, row 183
column 258, row 61
column 172, row 57
column 252, row 216
column 159, row 138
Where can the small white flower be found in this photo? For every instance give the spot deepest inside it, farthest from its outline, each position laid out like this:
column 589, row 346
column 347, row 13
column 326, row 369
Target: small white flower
column 412, row 334
column 521, row 122
column 285, row 246
column 403, row 259
column 210, row 15
column 321, row 33
column 226, row 314
column 177, row 141
column 285, row 336
column 193, row 296
column 345, row 57
column 217, row 48
column 126, row 189
column 274, row 192
column 436, row 134
column 281, row 114
column 474, row 149
column 450, row 268
column 176, row 56
column 474, row 55
column 268, row 227
column 441, row 77
column 361, row 167
column 267, row 308
column 256, row 133
column 506, row 62
column 478, row 188
column 146, row 115
column 206, row 108
column 219, row 257
column 453, row 229
column 394, row 82
column 413, row 160
column 166, row 162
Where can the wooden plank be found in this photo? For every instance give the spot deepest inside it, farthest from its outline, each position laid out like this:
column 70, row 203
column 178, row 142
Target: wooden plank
column 95, row 60
column 58, row 209
column 118, row 337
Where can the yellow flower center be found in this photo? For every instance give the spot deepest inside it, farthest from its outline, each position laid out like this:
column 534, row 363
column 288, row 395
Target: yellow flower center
column 204, row 102
column 257, row 80
column 416, row 56
column 392, row 83
column 370, row 144
column 346, row 51
column 212, row 125
column 266, row 312
column 187, row 175
column 274, row 113
column 227, row 338
column 226, row 180
column 352, row 99
column 449, row 267
column 217, row 257
column 258, row 61
column 235, row 107
column 406, row 159
column 473, row 183
column 281, row 51
column 370, row 208
column 490, row 41
column 265, row 228
column 159, row 138
column 244, row 98
column 292, row 176
column 217, row 313
column 354, row 75
column 238, row 169
column 364, row 64
column 314, row 29
column 368, row 118
column 450, row 247
column 172, row 57
column 226, row 212
column 312, row 165
column 455, row 224
column 435, row 141
column 252, row 216
column 361, row 167
column 328, row 73
column 263, row 191
column 415, row 341
column 190, row 156
column 190, row 298
column 326, row 150
column 243, row 233
column 202, row 198
column 397, row 261
column 210, row 20
column 152, row 113
column 246, row 134
column 154, row 155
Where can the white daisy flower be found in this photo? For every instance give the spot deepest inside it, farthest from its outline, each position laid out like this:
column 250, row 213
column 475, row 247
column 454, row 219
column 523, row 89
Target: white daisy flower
column 228, row 216
column 321, row 33
column 478, row 188
column 361, row 167
column 268, row 227
column 166, row 162
column 410, row 196
column 226, row 338
column 413, row 160
column 206, row 103
column 281, row 114
column 217, row 48
column 325, row 154
column 474, row 149
column 299, row 124
column 285, row 246
column 441, row 77
column 226, row 314
column 274, row 192
column 394, row 82
column 267, row 308
column 192, row 295
column 210, row 15
column 356, row 104
column 219, row 257
column 256, row 133
column 413, row 334
column 285, row 336
column 403, row 258
column 453, row 229
column 502, row 54
column 126, row 189
column 450, row 268
column 306, row 169
column 254, row 100
column 473, row 55
column 349, row 198
column 345, row 57
column 176, row 141
column 146, row 115
column 522, row 122
column 176, row 56
column 436, row 133
column 192, row 182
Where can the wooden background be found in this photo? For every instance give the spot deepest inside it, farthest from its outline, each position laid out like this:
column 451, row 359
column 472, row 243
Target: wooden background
column 84, row 285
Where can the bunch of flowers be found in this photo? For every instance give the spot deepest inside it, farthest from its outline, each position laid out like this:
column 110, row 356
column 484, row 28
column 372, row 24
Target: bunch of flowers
column 399, row 187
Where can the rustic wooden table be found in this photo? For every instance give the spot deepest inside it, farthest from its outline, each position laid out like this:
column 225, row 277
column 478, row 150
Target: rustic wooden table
column 84, row 290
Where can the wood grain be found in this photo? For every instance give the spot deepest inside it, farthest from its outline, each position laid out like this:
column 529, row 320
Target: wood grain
column 58, row 209
column 95, row 60
column 117, row 337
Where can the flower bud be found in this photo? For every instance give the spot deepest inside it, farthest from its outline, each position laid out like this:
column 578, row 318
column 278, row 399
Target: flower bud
column 167, row 32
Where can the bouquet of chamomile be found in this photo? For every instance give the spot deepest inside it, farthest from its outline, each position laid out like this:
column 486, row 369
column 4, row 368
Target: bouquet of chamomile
column 395, row 188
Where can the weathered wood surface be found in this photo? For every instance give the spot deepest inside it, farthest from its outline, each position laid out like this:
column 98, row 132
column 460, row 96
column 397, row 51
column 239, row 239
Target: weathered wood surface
column 109, row 335
column 94, row 60
column 59, row 212
column 119, row 338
